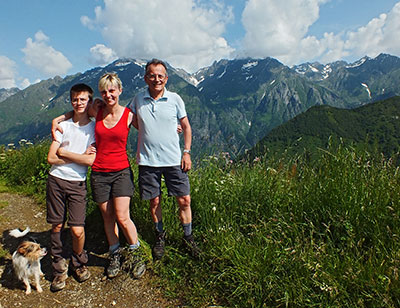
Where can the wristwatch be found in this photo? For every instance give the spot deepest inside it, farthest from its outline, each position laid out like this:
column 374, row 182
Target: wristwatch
column 186, row 151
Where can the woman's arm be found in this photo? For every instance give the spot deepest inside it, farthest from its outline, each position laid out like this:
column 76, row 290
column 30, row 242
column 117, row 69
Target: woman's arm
column 55, row 124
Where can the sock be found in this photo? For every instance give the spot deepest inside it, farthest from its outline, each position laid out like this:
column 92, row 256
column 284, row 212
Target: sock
column 187, row 229
column 113, row 248
column 159, row 226
column 134, row 246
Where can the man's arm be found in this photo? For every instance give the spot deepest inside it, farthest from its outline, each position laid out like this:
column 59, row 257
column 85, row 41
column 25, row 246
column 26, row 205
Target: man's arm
column 86, row 158
column 186, row 162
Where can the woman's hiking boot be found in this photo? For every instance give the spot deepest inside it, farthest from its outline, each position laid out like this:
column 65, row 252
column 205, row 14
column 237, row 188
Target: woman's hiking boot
column 134, row 261
column 115, row 264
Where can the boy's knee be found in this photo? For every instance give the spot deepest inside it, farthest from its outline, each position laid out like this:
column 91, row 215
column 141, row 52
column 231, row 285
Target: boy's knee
column 77, row 232
column 55, row 228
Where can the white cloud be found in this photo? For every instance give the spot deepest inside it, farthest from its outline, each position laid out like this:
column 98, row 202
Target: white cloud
column 102, row 55
column 44, row 58
column 7, row 72
column 279, row 29
column 185, row 33
column 380, row 35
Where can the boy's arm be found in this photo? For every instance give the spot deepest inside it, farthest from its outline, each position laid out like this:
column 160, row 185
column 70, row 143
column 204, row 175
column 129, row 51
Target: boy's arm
column 86, row 158
column 53, row 158
column 55, row 123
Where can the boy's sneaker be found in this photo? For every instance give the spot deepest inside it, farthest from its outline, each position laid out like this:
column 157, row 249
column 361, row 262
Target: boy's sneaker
column 134, row 262
column 159, row 246
column 115, row 264
column 191, row 246
column 81, row 273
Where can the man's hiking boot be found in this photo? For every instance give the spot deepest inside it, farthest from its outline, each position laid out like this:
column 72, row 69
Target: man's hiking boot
column 115, row 264
column 191, row 246
column 134, row 262
column 81, row 273
column 159, row 246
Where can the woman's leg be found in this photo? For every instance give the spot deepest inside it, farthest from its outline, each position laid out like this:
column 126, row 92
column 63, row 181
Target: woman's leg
column 121, row 206
column 109, row 219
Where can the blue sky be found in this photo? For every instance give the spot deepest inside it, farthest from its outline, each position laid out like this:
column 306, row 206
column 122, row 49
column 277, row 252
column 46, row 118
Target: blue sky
column 44, row 38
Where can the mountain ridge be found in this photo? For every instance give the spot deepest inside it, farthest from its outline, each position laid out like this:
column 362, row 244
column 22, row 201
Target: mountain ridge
column 231, row 104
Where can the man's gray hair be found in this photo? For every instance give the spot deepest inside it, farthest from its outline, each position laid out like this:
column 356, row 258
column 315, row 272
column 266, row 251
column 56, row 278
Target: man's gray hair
column 156, row 62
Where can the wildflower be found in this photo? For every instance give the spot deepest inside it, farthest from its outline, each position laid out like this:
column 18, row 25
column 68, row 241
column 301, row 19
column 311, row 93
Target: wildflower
column 214, row 208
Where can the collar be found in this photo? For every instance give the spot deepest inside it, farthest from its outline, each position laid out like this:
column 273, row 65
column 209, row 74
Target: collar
column 164, row 97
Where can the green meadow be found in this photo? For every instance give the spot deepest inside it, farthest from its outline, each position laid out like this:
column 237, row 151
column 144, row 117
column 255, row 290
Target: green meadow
column 274, row 231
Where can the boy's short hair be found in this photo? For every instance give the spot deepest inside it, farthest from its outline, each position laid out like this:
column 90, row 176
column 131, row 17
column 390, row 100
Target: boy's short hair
column 109, row 78
column 156, row 62
column 81, row 87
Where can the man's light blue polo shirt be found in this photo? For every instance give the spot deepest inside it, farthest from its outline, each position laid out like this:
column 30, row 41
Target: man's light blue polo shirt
column 158, row 139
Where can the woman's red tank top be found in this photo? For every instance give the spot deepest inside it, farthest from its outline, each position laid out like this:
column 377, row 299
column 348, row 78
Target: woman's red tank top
column 111, row 144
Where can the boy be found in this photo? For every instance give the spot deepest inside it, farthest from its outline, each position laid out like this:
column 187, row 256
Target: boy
column 66, row 186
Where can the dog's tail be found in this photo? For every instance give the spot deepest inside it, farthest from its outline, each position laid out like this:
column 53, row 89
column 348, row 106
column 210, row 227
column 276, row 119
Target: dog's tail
column 19, row 233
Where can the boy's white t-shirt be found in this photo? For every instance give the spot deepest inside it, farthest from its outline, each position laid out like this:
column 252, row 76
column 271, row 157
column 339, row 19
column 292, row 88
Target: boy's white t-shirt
column 75, row 139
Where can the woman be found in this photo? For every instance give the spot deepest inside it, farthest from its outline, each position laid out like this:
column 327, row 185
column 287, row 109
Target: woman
column 111, row 178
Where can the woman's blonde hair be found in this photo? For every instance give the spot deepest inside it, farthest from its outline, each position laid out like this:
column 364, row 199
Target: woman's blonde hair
column 109, row 79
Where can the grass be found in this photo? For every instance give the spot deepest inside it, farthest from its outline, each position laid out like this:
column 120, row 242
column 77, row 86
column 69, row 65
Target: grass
column 283, row 232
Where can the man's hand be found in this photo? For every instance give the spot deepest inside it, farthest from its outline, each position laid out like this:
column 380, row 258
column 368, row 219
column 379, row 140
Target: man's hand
column 186, row 162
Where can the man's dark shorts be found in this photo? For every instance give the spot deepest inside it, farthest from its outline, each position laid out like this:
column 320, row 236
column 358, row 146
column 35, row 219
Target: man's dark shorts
column 109, row 185
column 66, row 197
column 176, row 180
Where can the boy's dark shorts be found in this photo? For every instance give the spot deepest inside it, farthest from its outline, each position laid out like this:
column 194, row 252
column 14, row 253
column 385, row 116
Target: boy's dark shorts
column 109, row 185
column 66, row 197
column 176, row 180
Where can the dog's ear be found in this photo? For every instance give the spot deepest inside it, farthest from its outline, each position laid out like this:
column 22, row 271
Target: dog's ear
column 23, row 249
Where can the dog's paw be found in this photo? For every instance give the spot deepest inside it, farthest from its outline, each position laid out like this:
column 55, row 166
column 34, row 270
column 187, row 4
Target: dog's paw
column 39, row 289
column 28, row 291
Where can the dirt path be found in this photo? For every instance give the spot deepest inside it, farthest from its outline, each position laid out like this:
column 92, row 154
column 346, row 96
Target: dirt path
column 17, row 211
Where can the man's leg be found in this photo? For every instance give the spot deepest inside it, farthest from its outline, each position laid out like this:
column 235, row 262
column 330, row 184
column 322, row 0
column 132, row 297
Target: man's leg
column 185, row 215
column 156, row 215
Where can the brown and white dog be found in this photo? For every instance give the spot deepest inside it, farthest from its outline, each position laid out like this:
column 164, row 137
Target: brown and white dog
column 26, row 261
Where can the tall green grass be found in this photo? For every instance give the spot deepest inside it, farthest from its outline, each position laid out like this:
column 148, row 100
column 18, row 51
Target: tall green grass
column 282, row 232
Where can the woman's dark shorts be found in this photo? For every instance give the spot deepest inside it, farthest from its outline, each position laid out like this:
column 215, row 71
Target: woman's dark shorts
column 66, row 199
column 109, row 185
column 176, row 180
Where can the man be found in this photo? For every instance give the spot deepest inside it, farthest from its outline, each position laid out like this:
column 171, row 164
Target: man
column 156, row 114
column 66, row 187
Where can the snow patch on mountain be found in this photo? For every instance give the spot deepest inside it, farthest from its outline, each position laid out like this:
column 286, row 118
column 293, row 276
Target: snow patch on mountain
column 358, row 63
column 249, row 65
column 367, row 89
column 222, row 74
